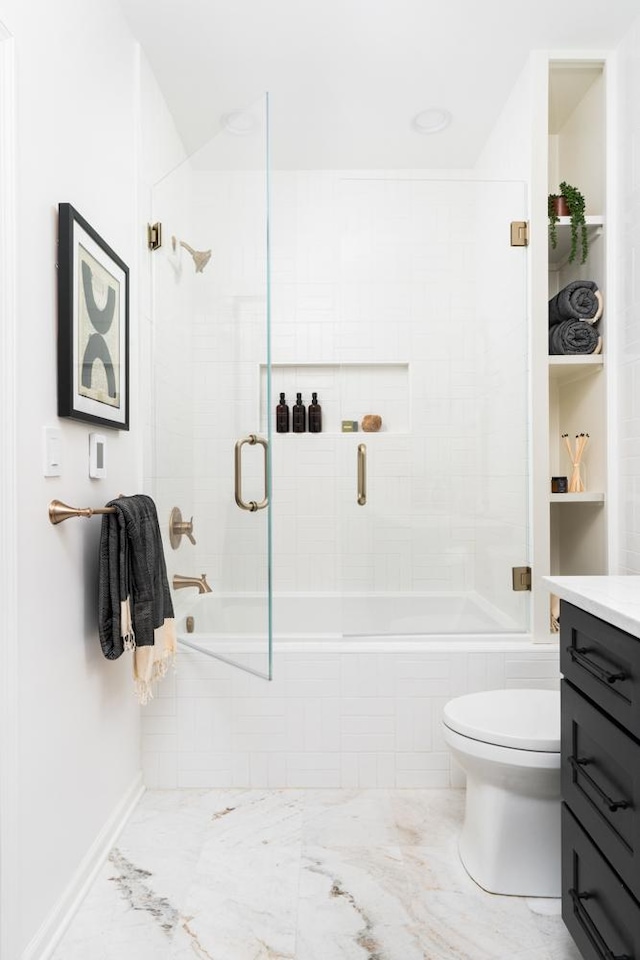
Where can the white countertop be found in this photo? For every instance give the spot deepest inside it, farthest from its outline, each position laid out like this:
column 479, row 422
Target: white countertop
column 615, row 599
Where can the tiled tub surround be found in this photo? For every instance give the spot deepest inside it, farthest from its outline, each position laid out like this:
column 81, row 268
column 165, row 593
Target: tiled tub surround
column 344, row 714
column 302, row 875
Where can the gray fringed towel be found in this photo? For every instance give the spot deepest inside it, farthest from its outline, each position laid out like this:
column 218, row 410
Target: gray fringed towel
column 135, row 611
column 579, row 300
column 573, row 336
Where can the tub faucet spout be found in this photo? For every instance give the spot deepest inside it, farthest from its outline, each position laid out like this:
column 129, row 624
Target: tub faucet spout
column 180, row 582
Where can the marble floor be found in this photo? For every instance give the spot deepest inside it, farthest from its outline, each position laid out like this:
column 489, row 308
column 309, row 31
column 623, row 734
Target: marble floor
column 302, row 875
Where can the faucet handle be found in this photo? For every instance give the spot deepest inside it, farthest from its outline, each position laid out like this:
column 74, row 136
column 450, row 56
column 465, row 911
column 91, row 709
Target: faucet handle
column 179, row 528
column 188, row 531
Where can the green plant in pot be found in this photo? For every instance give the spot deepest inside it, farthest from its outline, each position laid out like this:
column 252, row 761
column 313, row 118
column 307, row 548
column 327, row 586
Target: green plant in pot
column 569, row 202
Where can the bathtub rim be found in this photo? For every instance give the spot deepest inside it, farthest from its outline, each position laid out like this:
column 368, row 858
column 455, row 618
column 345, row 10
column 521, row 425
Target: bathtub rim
column 337, row 644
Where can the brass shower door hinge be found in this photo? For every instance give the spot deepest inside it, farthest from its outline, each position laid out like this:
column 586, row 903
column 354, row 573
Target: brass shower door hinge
column 154, row 235
column 521, row 578
column 519, row 233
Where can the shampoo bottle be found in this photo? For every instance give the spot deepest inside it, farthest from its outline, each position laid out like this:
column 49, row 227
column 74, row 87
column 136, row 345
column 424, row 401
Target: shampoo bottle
column 315, row 415
column 282, row 416
column 299, row 415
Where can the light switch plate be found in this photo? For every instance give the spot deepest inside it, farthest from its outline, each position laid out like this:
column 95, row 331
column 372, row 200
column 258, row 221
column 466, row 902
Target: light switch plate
column 97, row 456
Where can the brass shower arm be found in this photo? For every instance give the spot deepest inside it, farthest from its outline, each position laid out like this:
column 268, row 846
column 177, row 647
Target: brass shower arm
column 200, row 257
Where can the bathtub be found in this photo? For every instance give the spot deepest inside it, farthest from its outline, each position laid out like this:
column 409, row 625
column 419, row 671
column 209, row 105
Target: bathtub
column 345, row 708
column 238, row 621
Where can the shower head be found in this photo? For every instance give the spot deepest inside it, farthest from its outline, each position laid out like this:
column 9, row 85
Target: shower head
column 200, row 257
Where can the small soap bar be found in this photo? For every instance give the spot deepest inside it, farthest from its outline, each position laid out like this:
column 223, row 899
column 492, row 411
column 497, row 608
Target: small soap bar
column 349, row 426
column 371, row 423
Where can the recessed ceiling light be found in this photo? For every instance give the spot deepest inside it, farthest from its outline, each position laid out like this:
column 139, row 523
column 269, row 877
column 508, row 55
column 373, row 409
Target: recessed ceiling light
column 433, row 120
column 241, row 123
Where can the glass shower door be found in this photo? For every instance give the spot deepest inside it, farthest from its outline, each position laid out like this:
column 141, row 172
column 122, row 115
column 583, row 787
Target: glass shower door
column 434, row 504
column 208, row 336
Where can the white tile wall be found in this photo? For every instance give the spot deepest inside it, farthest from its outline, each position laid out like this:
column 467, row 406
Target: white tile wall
column 364, row 269
column 326, row 720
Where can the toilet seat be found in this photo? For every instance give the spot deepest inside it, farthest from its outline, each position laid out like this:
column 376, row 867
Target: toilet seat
column 475, row 751
column 519, row 719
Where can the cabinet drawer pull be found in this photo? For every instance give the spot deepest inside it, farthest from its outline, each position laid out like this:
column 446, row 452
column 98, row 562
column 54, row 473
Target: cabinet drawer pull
column 578, row 764
column 577, row 654
column 592, row 932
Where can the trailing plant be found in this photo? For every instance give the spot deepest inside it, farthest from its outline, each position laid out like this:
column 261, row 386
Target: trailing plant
column 553, row 218
column 576, row 205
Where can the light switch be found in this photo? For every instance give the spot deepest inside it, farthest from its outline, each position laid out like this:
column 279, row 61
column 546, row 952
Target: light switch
column 51, row 451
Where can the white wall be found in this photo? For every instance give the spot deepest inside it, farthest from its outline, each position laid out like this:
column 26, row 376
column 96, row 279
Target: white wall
column 78, row 739
column 507, row 151
column 627, row 373
column 8, row 483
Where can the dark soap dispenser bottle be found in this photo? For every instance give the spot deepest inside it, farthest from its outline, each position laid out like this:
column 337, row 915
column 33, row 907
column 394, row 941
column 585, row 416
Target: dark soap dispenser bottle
column 299, row 415
column 282, row 416
column 315, row 415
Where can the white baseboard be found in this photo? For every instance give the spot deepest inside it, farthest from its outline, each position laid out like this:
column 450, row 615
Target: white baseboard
column 52, row 930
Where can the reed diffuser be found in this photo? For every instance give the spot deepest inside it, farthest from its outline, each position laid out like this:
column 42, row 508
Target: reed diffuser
column 576, row 483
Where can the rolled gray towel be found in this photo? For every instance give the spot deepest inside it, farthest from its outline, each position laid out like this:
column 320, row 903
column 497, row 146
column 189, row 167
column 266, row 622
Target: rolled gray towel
column 573, row 336
column 579, row 300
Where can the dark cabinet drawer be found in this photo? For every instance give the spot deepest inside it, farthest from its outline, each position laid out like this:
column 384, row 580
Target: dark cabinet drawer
column 600, row 913
column 601, row 782
column 599, row 659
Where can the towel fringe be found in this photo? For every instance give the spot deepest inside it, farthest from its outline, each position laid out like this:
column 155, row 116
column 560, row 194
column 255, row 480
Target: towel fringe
column 126, row 625
column 144, row 688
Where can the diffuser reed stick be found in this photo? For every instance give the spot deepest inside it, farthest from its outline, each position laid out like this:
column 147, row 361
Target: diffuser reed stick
column 576, row 484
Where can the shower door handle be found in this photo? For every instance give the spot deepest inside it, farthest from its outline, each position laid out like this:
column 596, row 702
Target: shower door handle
column 252, row 505
column 362, row 474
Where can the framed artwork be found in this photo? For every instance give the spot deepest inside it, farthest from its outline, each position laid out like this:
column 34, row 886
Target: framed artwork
column 93, row 325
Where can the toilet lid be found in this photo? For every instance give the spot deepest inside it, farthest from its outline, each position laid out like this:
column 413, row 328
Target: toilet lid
column 522, row 719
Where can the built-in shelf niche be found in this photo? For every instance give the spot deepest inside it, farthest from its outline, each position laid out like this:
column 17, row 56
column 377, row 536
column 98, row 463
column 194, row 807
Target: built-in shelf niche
column 578, row 547
column 577, row 404
column 564, row 369
column 559, row 255
column 577, row 392
column 346, row 391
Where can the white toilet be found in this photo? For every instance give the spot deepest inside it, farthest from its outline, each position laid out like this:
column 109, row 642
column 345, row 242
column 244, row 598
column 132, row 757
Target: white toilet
column 508, row 743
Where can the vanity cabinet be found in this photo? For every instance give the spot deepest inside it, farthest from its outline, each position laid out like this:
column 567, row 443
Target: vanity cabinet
column 600, row 750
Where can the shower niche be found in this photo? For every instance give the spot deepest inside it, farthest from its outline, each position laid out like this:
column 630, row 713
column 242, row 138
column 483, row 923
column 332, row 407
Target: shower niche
column 346, row 391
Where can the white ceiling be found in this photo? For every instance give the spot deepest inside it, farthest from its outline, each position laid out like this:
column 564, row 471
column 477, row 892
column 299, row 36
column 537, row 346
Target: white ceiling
column 346, row 77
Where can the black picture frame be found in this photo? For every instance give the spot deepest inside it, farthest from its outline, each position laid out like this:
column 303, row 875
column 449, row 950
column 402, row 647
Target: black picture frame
column 93, row 325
